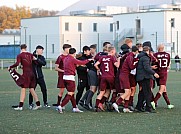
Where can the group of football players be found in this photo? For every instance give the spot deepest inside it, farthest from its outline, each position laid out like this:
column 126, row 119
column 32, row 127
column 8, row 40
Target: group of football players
column 113, row 76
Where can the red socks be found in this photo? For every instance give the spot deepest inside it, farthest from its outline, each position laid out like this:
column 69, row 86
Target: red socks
column 103, row 99
column 126, row 103
column 59, row 99
column 38, row 103
column 119, row 101
column 97, row 103
column 165, row 96
column 21, row 104
column 66, row 100
column 131, row 100
column 73, row 101
column 158, row 95
column 114, row 95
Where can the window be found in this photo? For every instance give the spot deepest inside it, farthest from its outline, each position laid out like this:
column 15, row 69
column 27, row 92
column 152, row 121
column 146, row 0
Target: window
column 138, row 26
column 80, row 27
column 66, row 26
column 117, row 24
column 94, row 27
column 53, row 48
column 172, row 21
column 111, row 27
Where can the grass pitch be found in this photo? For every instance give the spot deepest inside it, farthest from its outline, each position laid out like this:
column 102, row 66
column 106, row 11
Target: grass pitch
column 48, row 121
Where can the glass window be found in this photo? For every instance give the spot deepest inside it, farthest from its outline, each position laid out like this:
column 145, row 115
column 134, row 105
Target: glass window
column 94, row 27
column 66, row 26
column 80, row 27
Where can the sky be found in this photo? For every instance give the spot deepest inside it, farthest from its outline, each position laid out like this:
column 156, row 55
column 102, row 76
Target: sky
column 43, row 4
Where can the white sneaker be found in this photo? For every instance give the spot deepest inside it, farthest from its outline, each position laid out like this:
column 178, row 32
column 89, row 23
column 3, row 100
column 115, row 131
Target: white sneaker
column 170, row 106
column 18, row 108
column 31, row 106
column 60, row 109
column 77, row 110
column 127, row 110
column 153, row 105
column 36, row 107
column 115, row 107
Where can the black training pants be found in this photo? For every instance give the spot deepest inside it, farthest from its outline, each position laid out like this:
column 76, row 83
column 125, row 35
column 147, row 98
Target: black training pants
column 82, row 83
column 41, row 83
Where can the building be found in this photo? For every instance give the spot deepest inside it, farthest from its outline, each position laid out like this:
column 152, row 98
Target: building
column 162, row 26
column 130, row 5
column 53, row 32
column 10, row 37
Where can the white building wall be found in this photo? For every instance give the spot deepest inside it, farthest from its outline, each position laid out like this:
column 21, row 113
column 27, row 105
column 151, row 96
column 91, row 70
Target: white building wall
column 9, row 39
column 173, row 34
column 151, row 22
column 54, row 29
column 43, row 31
column 87, row 36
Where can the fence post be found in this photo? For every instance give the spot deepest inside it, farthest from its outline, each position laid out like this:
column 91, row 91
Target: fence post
column 2, row 65
column 29, row 43
column 156, row 34
column 98, row 42
column 80, row 42
column 14, row 46
column 177, row 42
column 51, row 65
column 46, row 46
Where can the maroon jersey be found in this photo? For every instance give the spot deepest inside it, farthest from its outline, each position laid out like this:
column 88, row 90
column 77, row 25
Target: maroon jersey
column 59, row 62
column 70, row 64
column 99, row 55
column 28, row 79
column 128, row 64
column 107, row 65
column 163, row 61
column 25, row 58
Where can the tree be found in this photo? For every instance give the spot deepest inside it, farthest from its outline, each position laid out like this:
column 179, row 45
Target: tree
column 10, row 18
column 37, row 12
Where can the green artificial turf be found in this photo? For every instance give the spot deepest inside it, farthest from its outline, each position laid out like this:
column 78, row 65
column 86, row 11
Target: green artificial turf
column 49, row 121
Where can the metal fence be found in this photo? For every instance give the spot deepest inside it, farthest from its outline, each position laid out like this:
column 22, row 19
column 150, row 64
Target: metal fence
column 53, row 43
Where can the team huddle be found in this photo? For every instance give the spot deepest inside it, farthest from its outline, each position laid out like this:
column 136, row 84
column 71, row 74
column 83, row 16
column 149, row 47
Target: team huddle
column 114, row 77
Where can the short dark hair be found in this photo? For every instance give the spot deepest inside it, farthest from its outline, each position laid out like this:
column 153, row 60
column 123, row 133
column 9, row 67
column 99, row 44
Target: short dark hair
column 85, row 48
column 134, row 49
column 105, row 43
column 146, row 48
column 23, row 46
column 66, row 46
column 39, row 47
column 93, row 46
column 72, row 51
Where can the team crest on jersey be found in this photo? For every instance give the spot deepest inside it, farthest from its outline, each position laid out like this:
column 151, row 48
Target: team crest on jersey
column 106, row 59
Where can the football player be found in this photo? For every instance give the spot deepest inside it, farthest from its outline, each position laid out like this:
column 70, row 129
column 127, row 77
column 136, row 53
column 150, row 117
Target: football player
column 163, row 66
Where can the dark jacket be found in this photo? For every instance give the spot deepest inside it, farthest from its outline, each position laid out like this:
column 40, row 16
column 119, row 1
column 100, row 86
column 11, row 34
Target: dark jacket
column 177, row 59
column 37, row 65
column 144, row 70
column 82, row 70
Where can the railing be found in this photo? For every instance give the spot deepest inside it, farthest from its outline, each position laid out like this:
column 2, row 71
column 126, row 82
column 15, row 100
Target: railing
column 5, row 63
